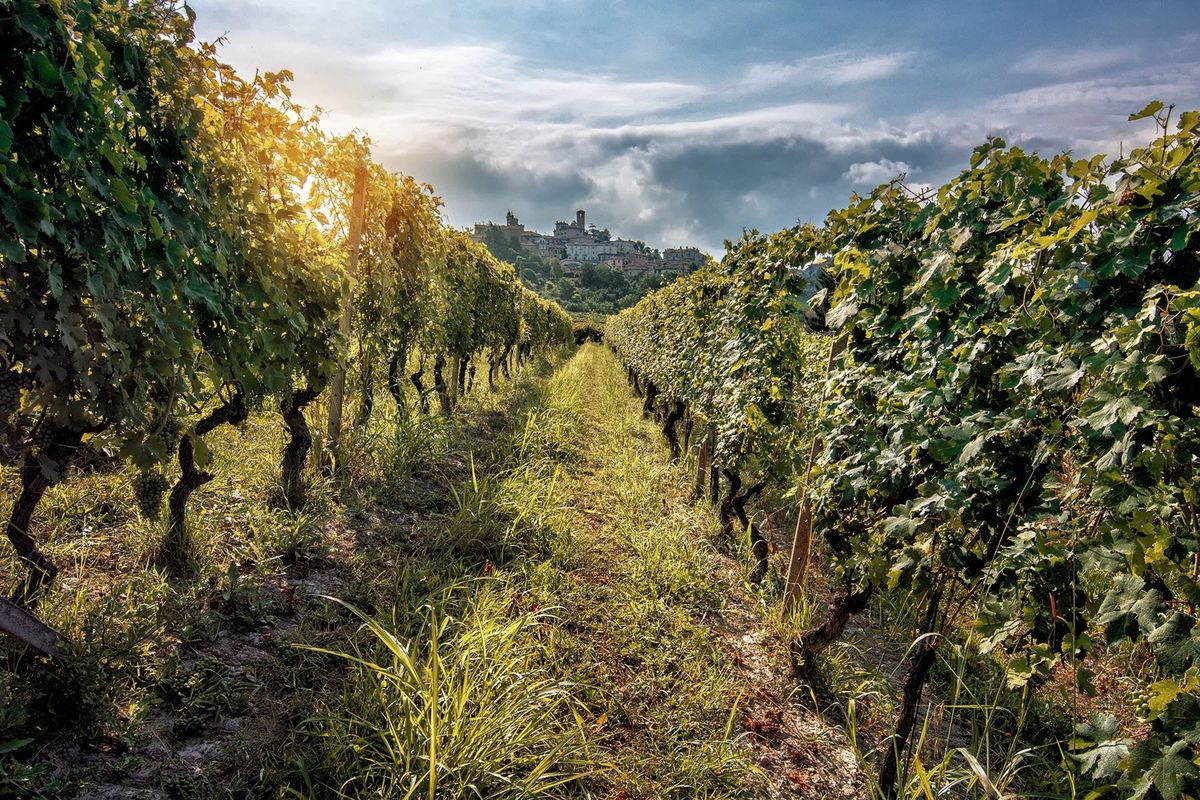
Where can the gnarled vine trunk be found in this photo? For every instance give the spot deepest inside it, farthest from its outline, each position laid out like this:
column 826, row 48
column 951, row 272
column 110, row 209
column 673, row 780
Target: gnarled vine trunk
column 504, row 361
column 191, row 478
column 896, row 748
column 299, row 441
column 439, row 384
column 674, row 414
column 651, row 396
column 395, row 384
column 39, row 471
column 493, row 366
column 415, row 379
column 760, row 548
column 841, row 609
column 733, row 507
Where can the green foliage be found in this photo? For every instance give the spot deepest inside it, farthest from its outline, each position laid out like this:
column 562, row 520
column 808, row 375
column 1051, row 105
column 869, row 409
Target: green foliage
column 1017, row 404
column 1015, row 407
column 100, row 182
column 173, row 242
column 733, row 341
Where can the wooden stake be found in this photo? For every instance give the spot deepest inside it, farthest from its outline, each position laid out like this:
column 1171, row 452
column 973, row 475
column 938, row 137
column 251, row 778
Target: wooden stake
column 801, row 552
column 20, row 624
column 337, row 388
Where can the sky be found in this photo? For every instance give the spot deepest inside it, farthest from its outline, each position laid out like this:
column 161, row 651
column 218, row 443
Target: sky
column 689, row 122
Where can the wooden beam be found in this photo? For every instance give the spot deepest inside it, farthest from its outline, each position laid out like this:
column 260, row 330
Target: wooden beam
column 337, row 388
column 801, row 552
column 20, row 624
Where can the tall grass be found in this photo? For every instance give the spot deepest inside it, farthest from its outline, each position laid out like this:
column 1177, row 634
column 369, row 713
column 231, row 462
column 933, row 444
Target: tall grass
column 462, row 708
column 972, row 741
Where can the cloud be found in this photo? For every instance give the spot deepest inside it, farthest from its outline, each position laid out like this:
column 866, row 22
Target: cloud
column 1088, row 115
column 483, row 82
column 1075, row 62
column 679, row 156
column 837, row 69
column 873, row 173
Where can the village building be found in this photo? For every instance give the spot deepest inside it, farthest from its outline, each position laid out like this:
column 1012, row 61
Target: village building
column 682, row 259
column 511, row 227
column 632, row 263
column 574, row 244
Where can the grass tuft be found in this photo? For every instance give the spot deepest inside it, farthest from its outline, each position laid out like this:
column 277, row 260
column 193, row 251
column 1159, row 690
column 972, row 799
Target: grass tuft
column 465, row 707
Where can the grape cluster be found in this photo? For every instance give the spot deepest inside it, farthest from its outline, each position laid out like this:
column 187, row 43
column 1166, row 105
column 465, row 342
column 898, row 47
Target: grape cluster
column 149, row 487
column 10, row 390
column 171, row 432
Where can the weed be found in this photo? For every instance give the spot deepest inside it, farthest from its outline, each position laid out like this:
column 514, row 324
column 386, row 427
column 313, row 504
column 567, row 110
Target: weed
column 464, row 708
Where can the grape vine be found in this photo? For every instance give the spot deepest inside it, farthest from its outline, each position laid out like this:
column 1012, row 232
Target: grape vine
column 172, row 250
column 1011, row 435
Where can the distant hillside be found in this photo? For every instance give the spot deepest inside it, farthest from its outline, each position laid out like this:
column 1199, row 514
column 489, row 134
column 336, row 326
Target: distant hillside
column 596, row 288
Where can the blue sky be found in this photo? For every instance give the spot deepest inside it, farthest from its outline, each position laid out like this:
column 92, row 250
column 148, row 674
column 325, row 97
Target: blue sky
column 687, row 122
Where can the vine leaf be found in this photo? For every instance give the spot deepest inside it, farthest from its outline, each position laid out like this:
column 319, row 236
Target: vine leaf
column 1170, row 773
column 1104, row 760
column 1151, row 109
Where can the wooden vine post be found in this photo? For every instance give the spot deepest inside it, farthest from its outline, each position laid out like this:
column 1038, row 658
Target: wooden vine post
column 801, row 551
column 337, row 387
column 21, row 625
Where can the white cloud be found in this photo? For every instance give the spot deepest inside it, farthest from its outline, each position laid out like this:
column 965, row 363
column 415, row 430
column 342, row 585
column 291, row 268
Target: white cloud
column 873, row 173
column 837, row 69
column 505, row 130
column 1068, row 63
column 481, row 82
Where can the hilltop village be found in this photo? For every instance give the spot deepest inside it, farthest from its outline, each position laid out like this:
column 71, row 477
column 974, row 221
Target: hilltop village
column 574, row 244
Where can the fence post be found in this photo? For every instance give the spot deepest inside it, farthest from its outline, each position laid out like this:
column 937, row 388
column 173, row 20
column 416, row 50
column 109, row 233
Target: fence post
column 337, row 388
column 801, row 551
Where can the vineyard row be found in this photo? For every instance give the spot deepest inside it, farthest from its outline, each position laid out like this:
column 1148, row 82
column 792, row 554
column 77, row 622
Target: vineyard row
column 181, row 247
column 985, row 396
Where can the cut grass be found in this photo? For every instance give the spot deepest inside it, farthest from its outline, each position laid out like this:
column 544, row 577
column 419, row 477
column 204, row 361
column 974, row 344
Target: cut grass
column 592, row 539
column 662, row 691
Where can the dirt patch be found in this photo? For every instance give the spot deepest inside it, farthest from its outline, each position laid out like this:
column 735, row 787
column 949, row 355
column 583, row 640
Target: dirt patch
column 802, row 754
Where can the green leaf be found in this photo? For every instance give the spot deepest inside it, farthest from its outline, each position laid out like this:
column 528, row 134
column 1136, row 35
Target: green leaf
column 1151, row 108
column 1162, row 694
column 841, row 313
column 1176, row 641
column 122, row 195
column 1169, row 773
column 47, row 75
column 54, row 278
column 201, row 453
column 1104, row 759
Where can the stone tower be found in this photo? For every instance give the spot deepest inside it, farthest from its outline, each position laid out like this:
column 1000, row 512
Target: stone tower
column 579, row 219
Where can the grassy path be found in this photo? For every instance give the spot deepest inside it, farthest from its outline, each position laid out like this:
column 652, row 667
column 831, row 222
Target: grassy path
column 528, row 605
column 693, row 689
